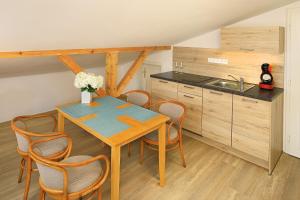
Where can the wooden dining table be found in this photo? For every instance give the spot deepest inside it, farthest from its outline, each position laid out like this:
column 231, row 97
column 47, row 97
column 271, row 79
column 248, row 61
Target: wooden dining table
column 116, row 123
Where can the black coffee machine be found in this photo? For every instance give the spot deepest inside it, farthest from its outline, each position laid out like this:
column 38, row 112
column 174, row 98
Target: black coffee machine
column 266, row 77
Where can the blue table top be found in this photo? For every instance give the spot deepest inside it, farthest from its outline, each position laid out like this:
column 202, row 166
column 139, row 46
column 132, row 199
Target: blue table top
column 102, row 115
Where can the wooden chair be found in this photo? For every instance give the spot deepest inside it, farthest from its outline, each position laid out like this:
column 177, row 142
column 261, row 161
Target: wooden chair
column 140, row 98
column 54, row 149
column 176, row 111
column 72, row 178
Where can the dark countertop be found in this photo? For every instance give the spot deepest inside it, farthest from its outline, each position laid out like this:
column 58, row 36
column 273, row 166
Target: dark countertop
column 200, row 81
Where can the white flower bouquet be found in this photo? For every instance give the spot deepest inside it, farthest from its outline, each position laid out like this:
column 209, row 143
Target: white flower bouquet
column 88, row 82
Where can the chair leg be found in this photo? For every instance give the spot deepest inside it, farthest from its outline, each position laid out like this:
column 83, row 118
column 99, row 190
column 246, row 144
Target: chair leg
column 28, row 177
column 22, row 164
column 42, row 194
column 182, row 154
column 99, row 197
column 129, row 150
column 142, row 152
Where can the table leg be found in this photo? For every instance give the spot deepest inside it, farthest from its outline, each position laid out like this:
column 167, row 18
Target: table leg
column 60, row 122
column 162, row 153
column 115, row 172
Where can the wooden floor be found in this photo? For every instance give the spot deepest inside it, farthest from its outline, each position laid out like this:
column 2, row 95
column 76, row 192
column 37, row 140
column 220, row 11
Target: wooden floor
column 210, row 173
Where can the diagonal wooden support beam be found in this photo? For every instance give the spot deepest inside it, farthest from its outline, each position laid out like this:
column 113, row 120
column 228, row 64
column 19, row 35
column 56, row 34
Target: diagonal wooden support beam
column 131, row 72
column 71, row 64
column 111, row 71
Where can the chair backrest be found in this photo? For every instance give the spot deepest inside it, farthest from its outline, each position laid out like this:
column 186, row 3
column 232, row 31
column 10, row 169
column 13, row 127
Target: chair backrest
column 138, row 97
column 56, row 176
column 173, row 109
column 51, row 174
column 21, row 130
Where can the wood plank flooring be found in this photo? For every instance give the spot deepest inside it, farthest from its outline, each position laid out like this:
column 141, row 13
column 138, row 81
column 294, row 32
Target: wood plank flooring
column 210, row 173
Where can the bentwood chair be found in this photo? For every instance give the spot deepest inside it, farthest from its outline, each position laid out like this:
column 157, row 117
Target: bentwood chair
column 72, row 178
column 176, row 111
column 140, row 98
column 54, row 149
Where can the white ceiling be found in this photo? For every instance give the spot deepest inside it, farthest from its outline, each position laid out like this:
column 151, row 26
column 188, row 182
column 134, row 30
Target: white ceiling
column 64, row 24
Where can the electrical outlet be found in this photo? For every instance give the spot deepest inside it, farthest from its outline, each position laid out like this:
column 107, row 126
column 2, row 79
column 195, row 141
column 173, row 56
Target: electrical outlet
column 218, row 60
column 223, row 61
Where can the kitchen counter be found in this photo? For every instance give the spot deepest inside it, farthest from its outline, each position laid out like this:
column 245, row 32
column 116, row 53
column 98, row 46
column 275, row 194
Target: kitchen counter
column 200, row 81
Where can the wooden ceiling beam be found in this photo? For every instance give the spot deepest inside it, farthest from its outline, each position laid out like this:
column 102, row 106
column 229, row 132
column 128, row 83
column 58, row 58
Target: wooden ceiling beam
column 111, row 63
column 60, row 52
column 132, row 71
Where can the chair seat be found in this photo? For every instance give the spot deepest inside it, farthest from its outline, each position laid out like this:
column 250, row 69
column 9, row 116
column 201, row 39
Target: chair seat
column 154, row 135
column 51, row 147
column 81, row 177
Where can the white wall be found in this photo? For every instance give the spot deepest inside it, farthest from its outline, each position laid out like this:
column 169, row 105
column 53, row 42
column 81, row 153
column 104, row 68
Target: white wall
column 32, row 94
column 208, row 40
column 275, row 17
column 163, row 58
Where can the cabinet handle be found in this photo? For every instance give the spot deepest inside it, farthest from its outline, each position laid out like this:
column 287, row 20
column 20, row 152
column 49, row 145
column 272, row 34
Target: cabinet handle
column 188, row 87
column 249, row 100
column 163, row 81
column 217, row 93
column 245, row 49
column 188, row 96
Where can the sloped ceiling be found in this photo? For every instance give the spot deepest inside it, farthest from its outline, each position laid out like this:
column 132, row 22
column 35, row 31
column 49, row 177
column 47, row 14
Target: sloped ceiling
column 65, row 24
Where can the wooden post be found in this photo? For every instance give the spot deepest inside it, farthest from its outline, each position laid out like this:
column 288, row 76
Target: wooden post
column 131, row 72
column 111, row 73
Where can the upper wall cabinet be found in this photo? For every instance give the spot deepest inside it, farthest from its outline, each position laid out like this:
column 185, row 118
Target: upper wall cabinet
column 256, row 39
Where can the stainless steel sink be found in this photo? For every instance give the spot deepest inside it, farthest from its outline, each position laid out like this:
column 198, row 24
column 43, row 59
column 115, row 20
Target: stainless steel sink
column 230, row 85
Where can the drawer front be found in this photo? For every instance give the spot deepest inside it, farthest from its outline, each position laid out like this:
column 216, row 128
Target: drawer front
column 193, row 118
column 217, row 116
column 163, row 89
column 251, row 127
column 190, row 89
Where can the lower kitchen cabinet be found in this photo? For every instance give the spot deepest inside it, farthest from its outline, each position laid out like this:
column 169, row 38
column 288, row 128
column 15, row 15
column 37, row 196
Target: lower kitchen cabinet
column 257, row 128
column 217, row 116
column 193, row 118
column 246, row 127
column 251, row 126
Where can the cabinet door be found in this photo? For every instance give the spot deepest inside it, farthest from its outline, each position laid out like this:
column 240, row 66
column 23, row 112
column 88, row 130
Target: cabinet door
column 217, row 116
column 251, row 126
column 193, row 118
column 259, row 39
column 163, row 89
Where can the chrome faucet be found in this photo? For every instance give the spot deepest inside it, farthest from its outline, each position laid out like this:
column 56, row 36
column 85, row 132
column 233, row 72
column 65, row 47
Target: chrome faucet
column 241, row 81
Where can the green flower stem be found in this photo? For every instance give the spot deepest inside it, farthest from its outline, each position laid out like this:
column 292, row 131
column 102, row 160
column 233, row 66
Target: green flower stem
column 89, row 88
